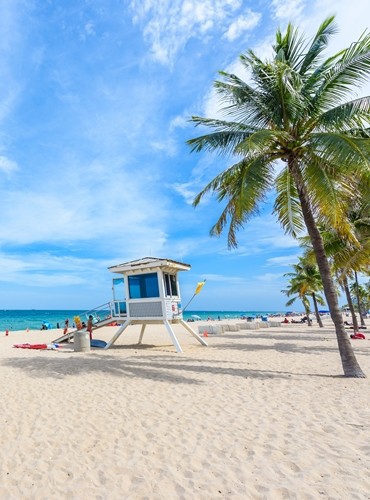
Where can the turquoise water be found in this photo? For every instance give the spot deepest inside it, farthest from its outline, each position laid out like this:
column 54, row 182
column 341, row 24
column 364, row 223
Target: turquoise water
column 33, row 319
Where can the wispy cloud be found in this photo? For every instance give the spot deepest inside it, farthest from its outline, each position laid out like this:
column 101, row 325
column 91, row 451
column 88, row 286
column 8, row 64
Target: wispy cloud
column 270, row 277
column 169, row 24
column 243, row 23
column 92, row 203
column 13, row 28
column 282, row 261
column 186, row 190
column 45, row 270
column 287, row 9
column 7, row 166
column 221, row 278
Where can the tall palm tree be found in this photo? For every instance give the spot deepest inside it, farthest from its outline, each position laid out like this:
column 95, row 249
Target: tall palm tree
column 359, row 292
column 295, row 292
column 294, row 111
column 348, row 257
column 343, row 282
column 307, row 282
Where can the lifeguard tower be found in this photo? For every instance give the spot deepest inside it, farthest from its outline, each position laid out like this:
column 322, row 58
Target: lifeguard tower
column 148, row 292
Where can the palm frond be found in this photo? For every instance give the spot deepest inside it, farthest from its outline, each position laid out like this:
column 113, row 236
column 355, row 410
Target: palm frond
column 262, row 140
column 243, row 186
column 319, row 43
column 342, row 150
column 287, row 205
column 225, row 139
column 330, row 193
column 288, row 46
column 352, row 69
column 348, row 116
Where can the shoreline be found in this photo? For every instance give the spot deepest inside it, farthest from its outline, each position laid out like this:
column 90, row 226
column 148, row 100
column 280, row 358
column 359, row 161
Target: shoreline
column 256, row 317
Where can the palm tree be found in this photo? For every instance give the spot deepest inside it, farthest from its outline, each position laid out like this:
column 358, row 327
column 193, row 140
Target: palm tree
column 306, row 281
column 348, row 257
column 294, row 111
column 343, row 282
column 360, row 293
column 297, row 292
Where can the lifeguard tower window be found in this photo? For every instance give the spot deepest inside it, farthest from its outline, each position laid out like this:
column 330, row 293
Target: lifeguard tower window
column 170, row 285
column 143, row 286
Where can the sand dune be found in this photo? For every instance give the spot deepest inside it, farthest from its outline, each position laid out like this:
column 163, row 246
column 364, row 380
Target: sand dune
column 256, row 414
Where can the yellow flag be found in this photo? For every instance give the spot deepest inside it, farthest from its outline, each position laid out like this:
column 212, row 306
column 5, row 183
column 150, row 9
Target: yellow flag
column 200, row 285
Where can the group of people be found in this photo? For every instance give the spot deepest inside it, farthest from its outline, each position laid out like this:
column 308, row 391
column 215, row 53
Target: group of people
column 302, row 320
column 89, row 326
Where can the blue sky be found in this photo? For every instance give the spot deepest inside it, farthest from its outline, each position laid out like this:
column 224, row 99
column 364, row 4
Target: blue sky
column 95, row 98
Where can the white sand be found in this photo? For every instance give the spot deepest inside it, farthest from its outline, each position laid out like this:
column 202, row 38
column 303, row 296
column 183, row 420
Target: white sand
column 256, row 415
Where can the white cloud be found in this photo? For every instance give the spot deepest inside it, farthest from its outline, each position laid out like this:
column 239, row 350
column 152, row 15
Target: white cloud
column 185, row 190
column 221, row 278
column 167, row 146
column 100, row 203
column 241, row 24
column 282, row 261
column 12, row 28
column 180, row 121
column 43, row 269
column 7, row 166
column 270, row 277
column 169, row 24
column 90, row 28
column 287, row 9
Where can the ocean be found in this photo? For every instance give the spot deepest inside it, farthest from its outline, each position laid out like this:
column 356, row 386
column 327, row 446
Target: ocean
column 33, row 319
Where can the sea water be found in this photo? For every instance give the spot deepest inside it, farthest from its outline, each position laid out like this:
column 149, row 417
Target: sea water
column 33, row 319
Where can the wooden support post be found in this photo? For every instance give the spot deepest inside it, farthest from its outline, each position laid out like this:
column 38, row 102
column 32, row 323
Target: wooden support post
column 194, row 334
column 142, row 332
column 118, row 333
column 173, row 336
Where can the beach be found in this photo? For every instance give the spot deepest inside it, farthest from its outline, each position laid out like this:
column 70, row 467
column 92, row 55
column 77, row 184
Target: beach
column 258, row 414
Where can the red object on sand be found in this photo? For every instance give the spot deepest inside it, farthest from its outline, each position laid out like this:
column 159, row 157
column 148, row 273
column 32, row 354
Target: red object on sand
column 358, row 335
column 6, row 333
column 31, row 346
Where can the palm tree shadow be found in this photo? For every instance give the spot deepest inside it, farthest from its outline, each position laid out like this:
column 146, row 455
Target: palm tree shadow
column 171, row 368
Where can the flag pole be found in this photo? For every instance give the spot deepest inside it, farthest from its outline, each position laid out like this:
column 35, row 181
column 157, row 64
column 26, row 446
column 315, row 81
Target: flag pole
column 188, row 303
column 197, row 290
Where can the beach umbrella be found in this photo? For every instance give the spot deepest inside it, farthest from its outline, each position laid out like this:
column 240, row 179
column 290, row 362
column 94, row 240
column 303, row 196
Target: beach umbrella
column 195, row 316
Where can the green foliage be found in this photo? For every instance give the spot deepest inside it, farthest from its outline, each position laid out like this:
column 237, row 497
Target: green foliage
column 292, row 113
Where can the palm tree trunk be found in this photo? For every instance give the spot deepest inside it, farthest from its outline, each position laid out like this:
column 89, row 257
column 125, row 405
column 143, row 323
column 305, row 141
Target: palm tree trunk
column 350, row 304
column 359, row 305
column 307, row 309
column 318, row 317
column 350, row 365
column 306, row 305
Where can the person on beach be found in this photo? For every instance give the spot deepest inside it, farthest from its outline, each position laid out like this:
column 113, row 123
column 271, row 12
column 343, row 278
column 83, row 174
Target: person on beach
column 90, row 326
column 66, row 324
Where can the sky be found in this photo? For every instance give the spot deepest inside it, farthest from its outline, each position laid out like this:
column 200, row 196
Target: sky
column 95, row 101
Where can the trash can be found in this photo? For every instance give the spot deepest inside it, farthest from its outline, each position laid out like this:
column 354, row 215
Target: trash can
column 81, row 341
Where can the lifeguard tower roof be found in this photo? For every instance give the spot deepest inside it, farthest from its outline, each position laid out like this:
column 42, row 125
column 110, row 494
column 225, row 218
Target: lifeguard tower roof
column 147, row 263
